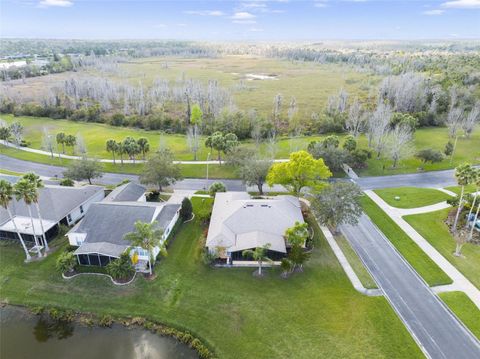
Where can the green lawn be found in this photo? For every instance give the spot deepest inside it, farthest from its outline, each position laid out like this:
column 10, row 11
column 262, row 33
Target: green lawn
column 422, row 263
column 95, row 135
column 432, row 227
column 188, row 170
column 458, row 189
column 355, row 262
column 411, row 197
column 464, row 309
column 313, row 314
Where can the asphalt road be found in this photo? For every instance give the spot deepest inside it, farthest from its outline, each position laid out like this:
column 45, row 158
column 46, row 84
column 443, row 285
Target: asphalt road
column 434, row 327
column 41, row 169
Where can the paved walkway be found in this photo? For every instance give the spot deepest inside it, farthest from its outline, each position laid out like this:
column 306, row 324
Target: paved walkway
column 437, row 331
column 459, row 280
column 104, row 160
column 357, row 284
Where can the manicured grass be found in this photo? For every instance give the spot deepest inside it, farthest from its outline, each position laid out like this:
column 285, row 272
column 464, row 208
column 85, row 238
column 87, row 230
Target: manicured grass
column 316, row 313
column 95, row 135
column 356, row 263
column 467, row 150
column 464, row 309
column 11, row 173
column 188, row 170
column 458, row 189
column 433, row 228
column 417, row 258
column 411, row 197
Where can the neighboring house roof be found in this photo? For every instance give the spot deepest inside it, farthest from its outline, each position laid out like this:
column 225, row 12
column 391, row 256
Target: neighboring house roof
column 55, row 202
column 106, row 224
column 239, row 222
column 130, row 191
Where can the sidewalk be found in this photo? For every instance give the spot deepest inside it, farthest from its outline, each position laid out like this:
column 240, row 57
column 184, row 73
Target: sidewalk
column 459, row 280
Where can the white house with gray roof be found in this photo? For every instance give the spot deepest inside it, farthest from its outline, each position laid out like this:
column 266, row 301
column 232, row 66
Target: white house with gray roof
column 240, row 222
column 58, row 205
column 100, row 235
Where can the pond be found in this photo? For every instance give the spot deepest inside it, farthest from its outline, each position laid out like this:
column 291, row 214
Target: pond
column 24, row 335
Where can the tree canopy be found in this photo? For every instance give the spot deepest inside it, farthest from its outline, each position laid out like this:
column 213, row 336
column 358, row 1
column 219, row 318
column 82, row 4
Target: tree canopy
column 300, row 171
column 160, row 170
column 84, row 169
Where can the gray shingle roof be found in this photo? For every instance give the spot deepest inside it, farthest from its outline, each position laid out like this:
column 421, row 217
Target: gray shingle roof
column 107, row 223
column 55, row 202
column 166, row 214
column 239, row 222
column 128, row 192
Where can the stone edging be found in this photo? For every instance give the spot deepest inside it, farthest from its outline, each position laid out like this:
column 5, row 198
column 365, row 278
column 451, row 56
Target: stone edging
column 101, row 274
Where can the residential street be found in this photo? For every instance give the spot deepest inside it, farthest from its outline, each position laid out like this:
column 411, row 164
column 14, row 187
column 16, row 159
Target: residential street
column 436, row 330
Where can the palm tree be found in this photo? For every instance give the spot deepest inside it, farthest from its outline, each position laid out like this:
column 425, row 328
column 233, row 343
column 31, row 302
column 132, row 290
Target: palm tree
column 463, row 173
column 147, row 237
column 24, row 190
column 37, row 183
column 258, row 254
column 143, row 145
column 6, row 195
column 475, row 217
column 112, row 146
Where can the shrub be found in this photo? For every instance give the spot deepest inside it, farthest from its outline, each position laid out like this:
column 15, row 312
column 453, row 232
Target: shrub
column 67, row 182
column 62, row 315
column 350, row 144
column 207, row 257
column 153, row 196
column 186, row 210
column 448, row 149
column 106, row 321
column 121, row 268
column 217, row 187
column 429, row 155
column 66, row 262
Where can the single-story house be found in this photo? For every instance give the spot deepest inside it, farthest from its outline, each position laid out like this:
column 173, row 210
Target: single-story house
column 100, row 235
column 58, row 205
column 240, row 222
column 128, row 192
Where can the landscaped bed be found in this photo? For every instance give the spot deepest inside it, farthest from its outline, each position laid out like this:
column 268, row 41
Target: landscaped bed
column 419, row 260
column 316, row 313
column 411, row 197
column 433, row 228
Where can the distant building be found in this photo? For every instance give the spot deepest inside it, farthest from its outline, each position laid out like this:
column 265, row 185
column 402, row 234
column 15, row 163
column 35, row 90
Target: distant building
column 240, row 222
column 58, row 205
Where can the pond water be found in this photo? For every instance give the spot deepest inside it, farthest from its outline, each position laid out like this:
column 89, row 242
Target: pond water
column 24, row 335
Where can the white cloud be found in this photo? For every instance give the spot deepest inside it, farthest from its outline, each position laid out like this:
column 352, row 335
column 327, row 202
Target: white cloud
column 59, row 3
column 205, row 12
column 242, row 15
column 182, row 24
column 435, row 12
column 462, row 4
column 254, row 5
column 244, row 22
column 321, row 3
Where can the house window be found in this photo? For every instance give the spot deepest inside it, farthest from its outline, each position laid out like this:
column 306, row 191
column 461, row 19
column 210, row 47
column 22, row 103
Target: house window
column 69, row 218
column 81, row 209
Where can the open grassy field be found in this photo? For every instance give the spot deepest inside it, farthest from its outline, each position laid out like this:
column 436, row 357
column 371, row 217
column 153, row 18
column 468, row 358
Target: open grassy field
column 464, row 309
column 458, row 189
column 418, row 259
column 95, row 135
column 311, row 84
column 411, row 197
column 314, row 314
column 432, row 227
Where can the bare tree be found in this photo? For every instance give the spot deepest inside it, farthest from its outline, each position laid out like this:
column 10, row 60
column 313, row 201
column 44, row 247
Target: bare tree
column 468, row 124
column 378, row 125
column 48, row 142
column 337, row 103
column 16, row 130
column 399, row 143
column 256, row 126
column 277, row 108
column 193, row 139
column 80, row 146
column 406, row 92
column 454, row 121
column 355, row 120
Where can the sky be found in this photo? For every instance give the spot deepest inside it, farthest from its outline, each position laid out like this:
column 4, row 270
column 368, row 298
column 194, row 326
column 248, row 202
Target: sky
column 286, row 20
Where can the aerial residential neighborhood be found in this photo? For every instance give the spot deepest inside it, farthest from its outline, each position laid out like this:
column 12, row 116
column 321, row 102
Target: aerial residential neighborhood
column 239, row 179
